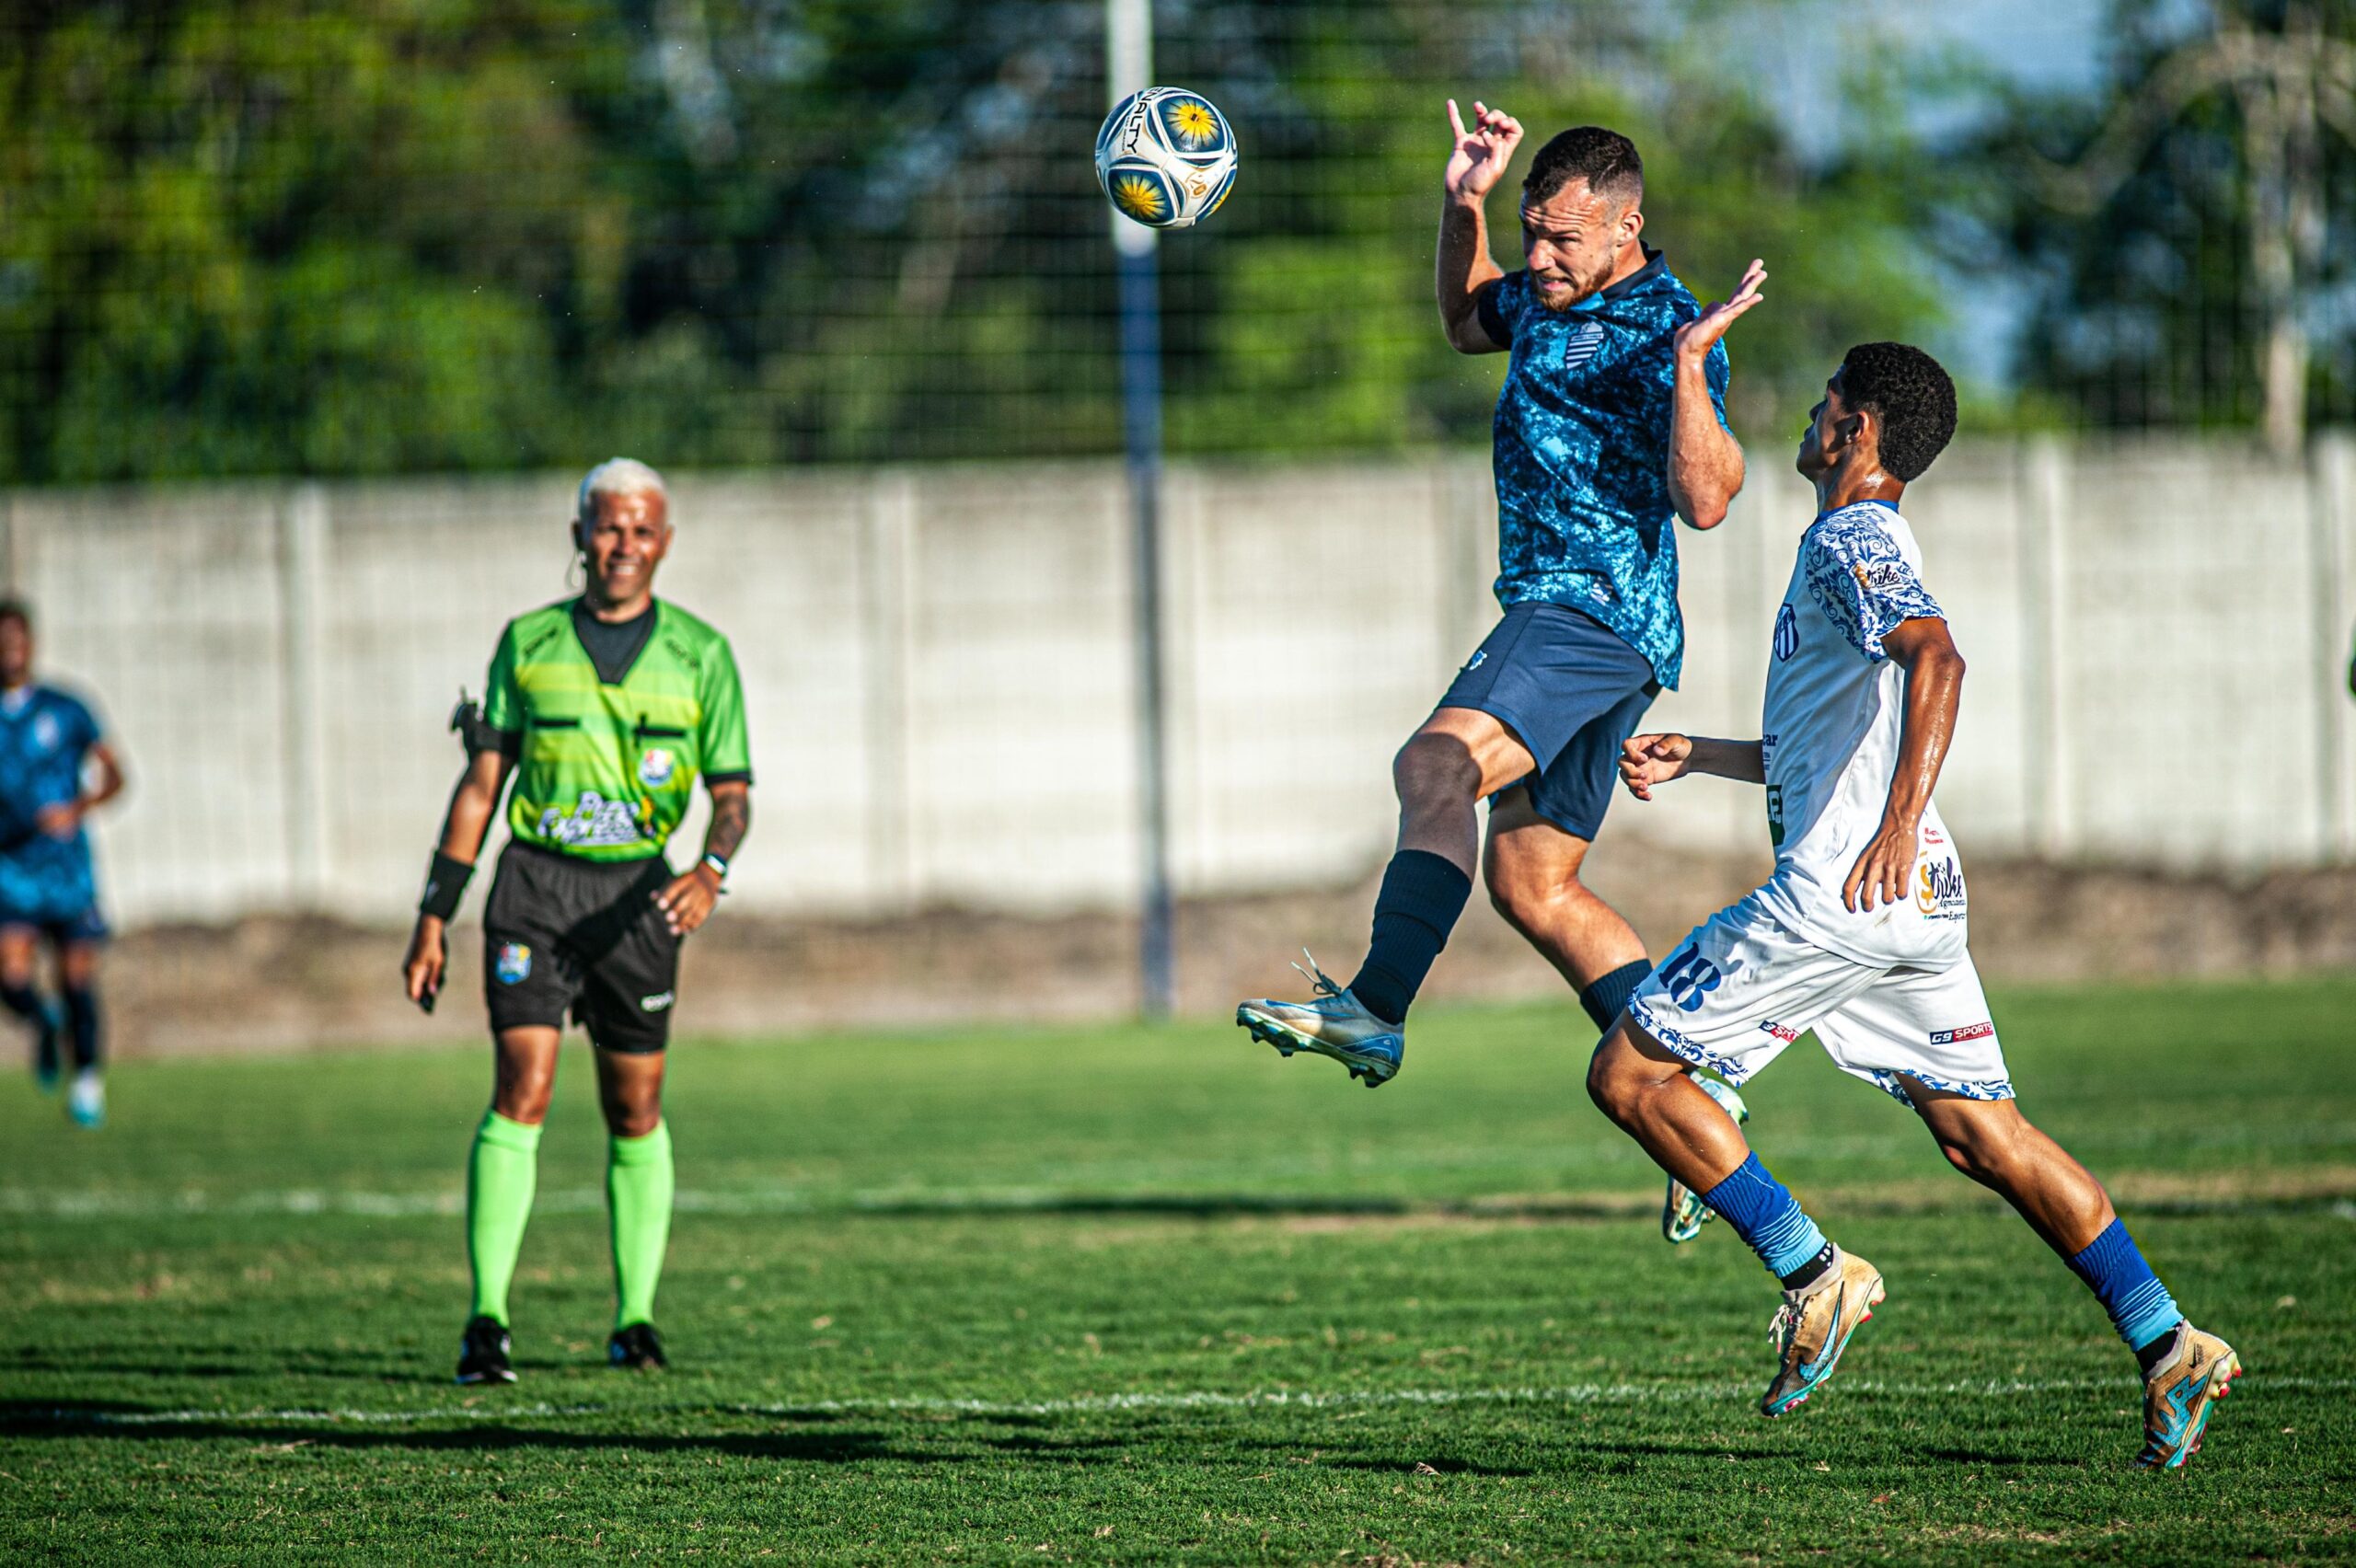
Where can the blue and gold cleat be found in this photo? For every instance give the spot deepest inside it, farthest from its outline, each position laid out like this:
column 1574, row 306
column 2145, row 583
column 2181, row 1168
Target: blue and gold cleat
column 1812, row 1328
column 2178, row 1394
column 1334, row 1023
column 1682, row 1213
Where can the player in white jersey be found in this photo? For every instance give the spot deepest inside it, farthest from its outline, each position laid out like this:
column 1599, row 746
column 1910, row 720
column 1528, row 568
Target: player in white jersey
column 1860, row 933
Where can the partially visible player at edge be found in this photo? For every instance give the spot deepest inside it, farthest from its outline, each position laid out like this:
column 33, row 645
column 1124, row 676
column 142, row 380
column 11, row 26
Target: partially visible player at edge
column 1610, row 425
column 603, row 709
column 1860, row 934
column 55, row 768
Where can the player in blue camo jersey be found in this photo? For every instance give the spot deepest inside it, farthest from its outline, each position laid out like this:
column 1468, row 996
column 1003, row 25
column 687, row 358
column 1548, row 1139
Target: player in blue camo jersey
column 55, row 767
column 1609, row 427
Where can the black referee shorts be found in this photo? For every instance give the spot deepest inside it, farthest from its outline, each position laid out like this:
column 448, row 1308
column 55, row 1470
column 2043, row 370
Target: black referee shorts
column 580, row 936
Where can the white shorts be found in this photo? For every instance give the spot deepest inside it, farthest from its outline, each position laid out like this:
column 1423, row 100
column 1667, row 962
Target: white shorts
column 1744, row 986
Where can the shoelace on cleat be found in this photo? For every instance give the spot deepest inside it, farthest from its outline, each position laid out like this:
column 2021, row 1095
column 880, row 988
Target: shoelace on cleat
column 1322, row 984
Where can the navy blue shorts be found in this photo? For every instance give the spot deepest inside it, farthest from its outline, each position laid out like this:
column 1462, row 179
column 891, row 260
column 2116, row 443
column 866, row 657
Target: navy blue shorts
column 1571, row 690
column 74, row 931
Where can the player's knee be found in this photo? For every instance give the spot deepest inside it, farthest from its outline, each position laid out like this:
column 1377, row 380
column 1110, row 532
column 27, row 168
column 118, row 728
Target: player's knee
column 1434, row 768
column 523, row 1092
column 632, row 1114
column 1527, row 894
column 632, row 1120
column 78, row 968
column 1613, row 1081
column 1984, row 1149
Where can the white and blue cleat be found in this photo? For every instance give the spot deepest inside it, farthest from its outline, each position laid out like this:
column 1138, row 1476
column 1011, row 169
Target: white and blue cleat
column 86, row 1099
column 1333, row 1023
column 1682, row 1213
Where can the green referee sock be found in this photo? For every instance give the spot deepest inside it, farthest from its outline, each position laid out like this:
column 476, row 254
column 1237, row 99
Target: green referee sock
column 638, row 1193
column 502, row 1174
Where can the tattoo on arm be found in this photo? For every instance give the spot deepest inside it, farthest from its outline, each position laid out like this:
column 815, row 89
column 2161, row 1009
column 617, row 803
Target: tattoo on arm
column 732, row 816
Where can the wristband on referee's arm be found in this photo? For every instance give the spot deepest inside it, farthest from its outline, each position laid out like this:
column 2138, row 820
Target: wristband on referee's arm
column 445, row 884
column 718, row 866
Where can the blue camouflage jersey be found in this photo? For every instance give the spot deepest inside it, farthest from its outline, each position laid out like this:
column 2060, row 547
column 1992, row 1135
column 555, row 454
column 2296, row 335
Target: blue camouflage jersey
column 45, row 736
column 1584, row 517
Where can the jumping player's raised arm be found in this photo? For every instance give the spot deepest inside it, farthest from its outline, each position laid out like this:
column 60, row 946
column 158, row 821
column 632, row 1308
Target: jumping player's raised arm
column 1704, row 460
column 1476, row 163
column 1926, row 652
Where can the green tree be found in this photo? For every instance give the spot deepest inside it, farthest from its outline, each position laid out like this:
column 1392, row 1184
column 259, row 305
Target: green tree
column 2194, row 219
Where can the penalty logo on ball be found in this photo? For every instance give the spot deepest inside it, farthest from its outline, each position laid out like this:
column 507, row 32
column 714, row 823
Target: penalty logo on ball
column 1166, row 158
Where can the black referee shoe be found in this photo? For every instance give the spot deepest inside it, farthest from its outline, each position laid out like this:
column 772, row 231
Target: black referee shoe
column 636, row 1349
column 482, row 1353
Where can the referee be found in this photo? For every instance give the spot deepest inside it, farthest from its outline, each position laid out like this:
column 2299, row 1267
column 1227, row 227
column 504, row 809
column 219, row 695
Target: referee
column 602, row 710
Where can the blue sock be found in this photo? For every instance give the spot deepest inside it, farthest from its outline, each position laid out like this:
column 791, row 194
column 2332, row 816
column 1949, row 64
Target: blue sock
column 1607, row 998
column 2141, row 1307
column 1422, row 895
column 1764, row 1214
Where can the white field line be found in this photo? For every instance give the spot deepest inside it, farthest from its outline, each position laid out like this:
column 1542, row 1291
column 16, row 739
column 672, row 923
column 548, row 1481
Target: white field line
column 1114, row 1404
column 36, row 1204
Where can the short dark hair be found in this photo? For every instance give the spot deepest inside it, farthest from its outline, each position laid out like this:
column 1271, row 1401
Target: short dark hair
column 15, row 609
column 1911, row 394
column 1605, row 159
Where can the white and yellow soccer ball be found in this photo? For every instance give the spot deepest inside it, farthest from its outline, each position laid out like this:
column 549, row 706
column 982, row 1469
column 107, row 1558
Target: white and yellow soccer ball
column 1166, row 158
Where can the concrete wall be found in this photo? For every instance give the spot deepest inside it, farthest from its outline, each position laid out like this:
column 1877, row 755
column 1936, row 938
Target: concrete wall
column 940, row 673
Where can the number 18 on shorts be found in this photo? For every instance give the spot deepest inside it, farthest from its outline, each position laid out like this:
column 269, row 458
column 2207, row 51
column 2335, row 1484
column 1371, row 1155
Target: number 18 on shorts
column 1744, row 986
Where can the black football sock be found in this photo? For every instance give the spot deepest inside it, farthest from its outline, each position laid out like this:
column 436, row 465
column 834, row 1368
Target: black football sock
column 82, row 1025
column 1607, row 998
column 22, row 1000
column 1422, row 895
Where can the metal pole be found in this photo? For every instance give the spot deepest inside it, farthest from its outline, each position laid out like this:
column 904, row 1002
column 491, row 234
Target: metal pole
column 1128, row 59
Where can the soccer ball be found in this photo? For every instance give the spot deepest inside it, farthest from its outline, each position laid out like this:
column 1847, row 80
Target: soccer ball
column 1165, row 158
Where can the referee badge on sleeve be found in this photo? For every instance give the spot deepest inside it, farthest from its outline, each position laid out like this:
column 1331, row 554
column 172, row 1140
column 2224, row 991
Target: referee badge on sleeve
column 513, row 963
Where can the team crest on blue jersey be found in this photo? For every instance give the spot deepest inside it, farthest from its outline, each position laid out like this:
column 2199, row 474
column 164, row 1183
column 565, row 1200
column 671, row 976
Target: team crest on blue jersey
column 1787, row 633
column 45, row 729
column 1580, row 343
column 512, row 963
column 655, row 766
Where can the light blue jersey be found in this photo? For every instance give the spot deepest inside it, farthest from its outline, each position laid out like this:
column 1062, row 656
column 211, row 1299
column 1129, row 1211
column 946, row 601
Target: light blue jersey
column 45, row 736
column 1584, row 515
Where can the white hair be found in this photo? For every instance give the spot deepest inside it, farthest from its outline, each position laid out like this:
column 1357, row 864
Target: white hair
column 617, row 476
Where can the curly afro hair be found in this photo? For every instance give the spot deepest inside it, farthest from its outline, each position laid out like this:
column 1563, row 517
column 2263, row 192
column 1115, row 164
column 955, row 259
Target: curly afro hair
column 1605, row 159
column 1912, row 395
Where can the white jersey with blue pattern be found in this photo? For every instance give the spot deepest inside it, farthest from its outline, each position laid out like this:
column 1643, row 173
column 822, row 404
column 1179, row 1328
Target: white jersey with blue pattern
column 1835, row 708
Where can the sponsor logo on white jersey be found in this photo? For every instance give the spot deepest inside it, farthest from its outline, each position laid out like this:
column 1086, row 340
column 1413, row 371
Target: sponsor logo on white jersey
column 1968, row 1031
column 1938, row 890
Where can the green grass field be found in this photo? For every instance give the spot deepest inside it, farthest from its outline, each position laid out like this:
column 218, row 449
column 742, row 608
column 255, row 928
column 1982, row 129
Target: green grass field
column 1148, row 1295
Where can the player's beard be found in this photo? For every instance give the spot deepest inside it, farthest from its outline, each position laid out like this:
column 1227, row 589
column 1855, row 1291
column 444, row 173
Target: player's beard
column 1582, row 287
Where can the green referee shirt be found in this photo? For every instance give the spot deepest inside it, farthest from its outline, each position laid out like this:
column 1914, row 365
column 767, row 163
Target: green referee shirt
column 605, row 767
